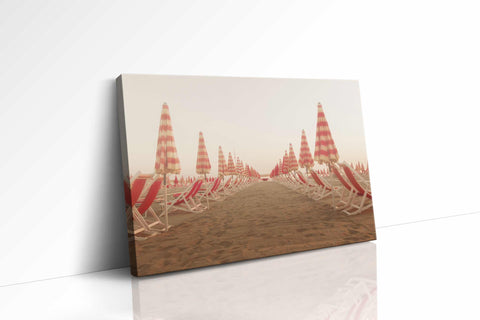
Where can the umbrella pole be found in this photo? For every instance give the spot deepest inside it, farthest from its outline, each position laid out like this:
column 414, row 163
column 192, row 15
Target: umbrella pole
column 333, row 187
column 165, row 199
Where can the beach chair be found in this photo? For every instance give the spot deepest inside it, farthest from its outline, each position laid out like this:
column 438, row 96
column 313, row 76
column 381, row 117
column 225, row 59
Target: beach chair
column 361, row 191
column 324, row 189
column 309, row 189
column 137, row 214
column 210, row 193
column 145, row 205
column 233, row 187
column 349, row 206
column 221, row 191
column 184, row 201
column 344, row 202
column 290, row 181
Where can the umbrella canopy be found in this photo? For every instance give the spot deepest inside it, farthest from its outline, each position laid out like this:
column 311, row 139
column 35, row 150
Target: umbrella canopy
column 285, row 161
column 166, row 160
column 203, row 163
column 231, row 165
column 305, row 159
column 292, row 160
column 222, row 166
column 325, row 150
column 239, row 167
column 245, row 170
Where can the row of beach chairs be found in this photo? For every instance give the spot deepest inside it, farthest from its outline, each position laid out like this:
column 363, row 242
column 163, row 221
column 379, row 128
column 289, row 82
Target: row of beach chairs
column 145, row 191
column 352, row 195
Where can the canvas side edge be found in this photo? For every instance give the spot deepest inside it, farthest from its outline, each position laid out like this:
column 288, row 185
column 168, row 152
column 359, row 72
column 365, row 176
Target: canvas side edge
column 125, row 167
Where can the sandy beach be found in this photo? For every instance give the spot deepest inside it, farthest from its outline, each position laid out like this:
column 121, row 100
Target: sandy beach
column 262, row 220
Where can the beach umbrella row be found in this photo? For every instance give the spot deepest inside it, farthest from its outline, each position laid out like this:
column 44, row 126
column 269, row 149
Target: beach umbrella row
column 167, row 161
column 325, row 149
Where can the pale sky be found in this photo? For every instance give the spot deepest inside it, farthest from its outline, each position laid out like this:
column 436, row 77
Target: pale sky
column 255, row 118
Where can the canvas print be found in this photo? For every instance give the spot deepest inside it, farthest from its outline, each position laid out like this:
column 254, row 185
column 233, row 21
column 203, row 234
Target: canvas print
column 224, row 169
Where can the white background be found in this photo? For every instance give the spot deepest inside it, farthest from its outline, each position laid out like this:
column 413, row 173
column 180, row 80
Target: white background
column 417, row 62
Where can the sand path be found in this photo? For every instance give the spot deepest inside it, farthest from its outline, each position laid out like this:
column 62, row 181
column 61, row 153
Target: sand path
column 262, row 220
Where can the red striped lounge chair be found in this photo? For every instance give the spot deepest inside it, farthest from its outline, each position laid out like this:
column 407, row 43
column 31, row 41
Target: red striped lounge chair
column 361, row 191
column 184, row 201
column 139, row 209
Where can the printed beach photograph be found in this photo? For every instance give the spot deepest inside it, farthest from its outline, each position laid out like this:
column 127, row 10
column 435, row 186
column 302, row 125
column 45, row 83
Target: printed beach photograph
column 225, row 169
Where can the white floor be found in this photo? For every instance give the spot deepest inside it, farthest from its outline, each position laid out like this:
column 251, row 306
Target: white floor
column 424, row 270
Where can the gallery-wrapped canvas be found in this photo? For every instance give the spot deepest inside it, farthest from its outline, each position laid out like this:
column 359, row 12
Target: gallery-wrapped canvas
column 224, row 169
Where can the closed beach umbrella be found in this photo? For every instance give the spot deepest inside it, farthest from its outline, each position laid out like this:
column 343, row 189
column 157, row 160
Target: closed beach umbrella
column 285, row 163
column 166, row 159
column 325, row 150
column 239, row 167
column 231, row 165
column 203, row 163
column 245, row 170
column 305, row 159
column 292, row 160
column 222, row 166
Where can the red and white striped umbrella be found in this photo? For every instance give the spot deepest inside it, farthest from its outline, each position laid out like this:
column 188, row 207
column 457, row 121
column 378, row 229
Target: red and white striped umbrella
column 305, row 159
column 285, row 163
column 239, row 167
column 203, row 163
column 325, row 150
column 222, row 166
column 231, row 170
column 292, row 160
column 166, row 159
column 245, row 169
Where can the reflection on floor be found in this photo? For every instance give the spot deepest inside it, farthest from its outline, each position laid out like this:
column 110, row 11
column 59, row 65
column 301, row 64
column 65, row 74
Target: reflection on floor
column 333, row 283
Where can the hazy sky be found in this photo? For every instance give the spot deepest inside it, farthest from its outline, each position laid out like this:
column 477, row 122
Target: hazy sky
column 255, row 118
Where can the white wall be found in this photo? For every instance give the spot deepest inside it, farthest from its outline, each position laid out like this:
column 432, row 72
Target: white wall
column 417, row 62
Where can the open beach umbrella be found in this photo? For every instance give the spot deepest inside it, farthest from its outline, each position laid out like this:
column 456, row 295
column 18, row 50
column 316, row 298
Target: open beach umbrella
column 325, row 150
column 166, row 158
column 305, row 159
column 222, row 166
column 292, row 160
column 231, row 165
column 203, row 163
